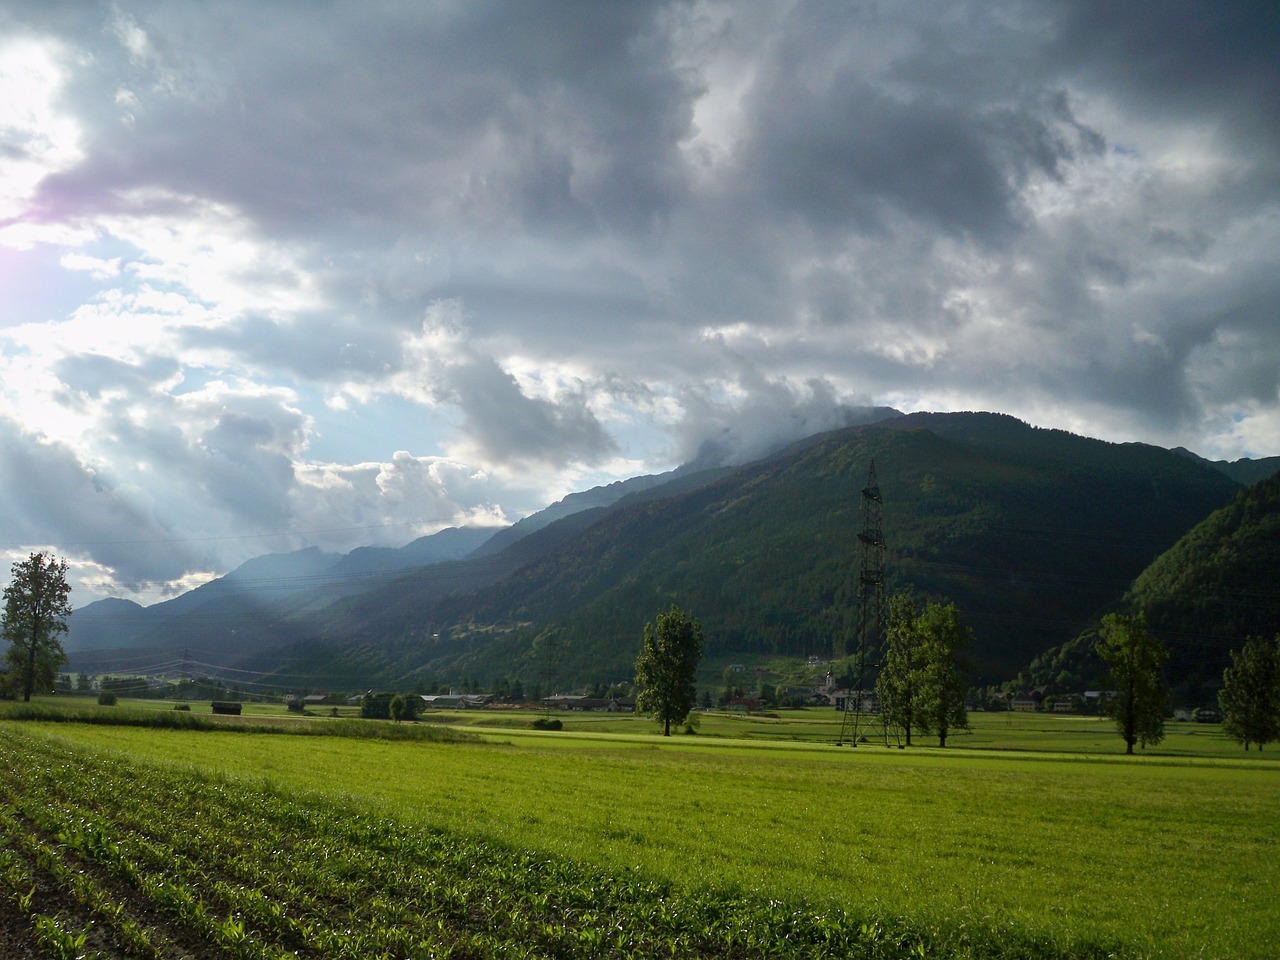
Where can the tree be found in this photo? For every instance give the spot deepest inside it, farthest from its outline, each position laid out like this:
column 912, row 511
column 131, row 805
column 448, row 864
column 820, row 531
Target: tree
column 666, row 667
column 396, row 708
column 921, row 683
column 898, row 685
column 36, row 607
column 943, row 639
column 1135, row 659
column 1250, row 694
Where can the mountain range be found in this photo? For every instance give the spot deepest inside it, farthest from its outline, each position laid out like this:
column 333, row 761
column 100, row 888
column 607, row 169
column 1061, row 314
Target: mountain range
column 1033, row 534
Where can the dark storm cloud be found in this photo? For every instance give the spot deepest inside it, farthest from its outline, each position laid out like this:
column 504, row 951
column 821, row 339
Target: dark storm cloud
column 246, row 466
column 45, row 487
column 862, row 115
column 869, row 153
column 316, row 348
column 1183, row 59
column 506, row 425
column 488, row 113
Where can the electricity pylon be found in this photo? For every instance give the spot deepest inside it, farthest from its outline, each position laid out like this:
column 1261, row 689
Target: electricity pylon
column 870, row 611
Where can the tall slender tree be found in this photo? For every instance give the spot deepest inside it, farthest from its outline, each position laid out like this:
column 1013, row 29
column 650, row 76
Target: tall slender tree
column 1250, row 694
column 666, row 668
column 898, row 685
column 1136, row 660
column 943, row 639
column 36, row 606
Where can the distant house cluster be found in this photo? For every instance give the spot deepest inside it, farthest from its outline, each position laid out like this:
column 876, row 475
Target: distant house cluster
column 583, row 704
column 457, row 701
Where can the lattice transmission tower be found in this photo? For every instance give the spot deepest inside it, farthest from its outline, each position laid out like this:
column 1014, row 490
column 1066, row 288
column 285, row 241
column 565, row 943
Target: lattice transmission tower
column 858, row 712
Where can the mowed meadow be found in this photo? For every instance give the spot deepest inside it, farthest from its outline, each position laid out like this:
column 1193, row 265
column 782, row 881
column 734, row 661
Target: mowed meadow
column 1031, row 837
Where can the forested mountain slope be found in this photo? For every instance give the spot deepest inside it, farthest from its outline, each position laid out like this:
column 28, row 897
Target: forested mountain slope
column 1203, row 598
column 1217, row 586
column 1031, row 532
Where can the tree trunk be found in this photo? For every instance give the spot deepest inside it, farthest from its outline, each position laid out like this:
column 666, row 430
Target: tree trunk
column 666, row 728
column 30, row 680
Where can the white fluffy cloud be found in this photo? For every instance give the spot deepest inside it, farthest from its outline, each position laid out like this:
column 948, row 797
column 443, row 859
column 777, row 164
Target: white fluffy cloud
column 278, row 276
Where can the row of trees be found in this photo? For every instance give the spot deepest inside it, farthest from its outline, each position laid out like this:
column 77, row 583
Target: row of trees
column 921, row 684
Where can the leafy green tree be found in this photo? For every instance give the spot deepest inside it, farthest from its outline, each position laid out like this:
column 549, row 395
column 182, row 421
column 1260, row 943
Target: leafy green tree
column 396, row 708
column 943, row 639
column 1250, row 694
column 666, row 667
column 1136, row 659
column 36, row 607
column 921, row 684
column 898, row 685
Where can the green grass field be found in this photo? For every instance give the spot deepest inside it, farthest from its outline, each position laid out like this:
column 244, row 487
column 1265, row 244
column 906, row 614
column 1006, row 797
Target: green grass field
column 1029, row 829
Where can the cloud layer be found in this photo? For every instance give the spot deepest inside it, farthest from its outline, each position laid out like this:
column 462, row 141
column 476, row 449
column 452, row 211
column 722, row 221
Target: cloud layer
column 277, row 275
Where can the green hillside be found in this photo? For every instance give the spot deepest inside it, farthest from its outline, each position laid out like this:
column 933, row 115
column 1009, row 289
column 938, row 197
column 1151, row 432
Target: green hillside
column 1203, row 597
column 1217, row 585
column 1031, row 532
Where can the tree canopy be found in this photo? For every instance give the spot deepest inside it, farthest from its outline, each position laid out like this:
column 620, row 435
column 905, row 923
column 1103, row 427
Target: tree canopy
column 666, row 667
column 1250, row 694
column 1136, row 660
column 36, row 606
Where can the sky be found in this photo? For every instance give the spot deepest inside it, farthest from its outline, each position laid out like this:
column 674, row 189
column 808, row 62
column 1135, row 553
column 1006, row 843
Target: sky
column 275, row 275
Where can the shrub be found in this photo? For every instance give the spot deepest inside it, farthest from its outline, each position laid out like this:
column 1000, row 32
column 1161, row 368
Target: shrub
column 107, row 698
column 547, row 723
column 182, row 706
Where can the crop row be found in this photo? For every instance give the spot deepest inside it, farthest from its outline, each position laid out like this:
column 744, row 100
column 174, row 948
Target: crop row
column 150, row 861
